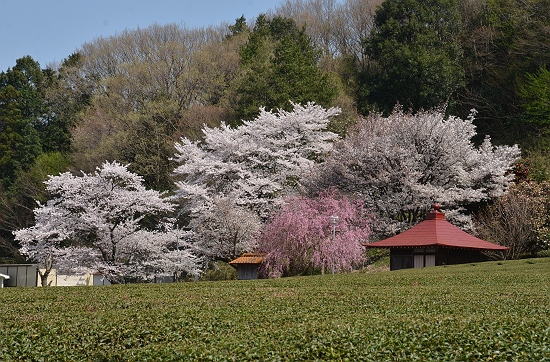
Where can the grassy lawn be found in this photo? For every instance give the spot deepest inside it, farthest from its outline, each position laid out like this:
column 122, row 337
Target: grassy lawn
column 497, row 311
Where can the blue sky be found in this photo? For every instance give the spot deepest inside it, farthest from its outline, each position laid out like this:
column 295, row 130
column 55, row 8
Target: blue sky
column 51, row 30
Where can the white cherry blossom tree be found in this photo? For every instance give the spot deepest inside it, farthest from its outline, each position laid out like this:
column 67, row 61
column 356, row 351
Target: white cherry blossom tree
column 234, row 177
column 225, row 231
column 107, row 222
column 256, row 163
column 400, row 164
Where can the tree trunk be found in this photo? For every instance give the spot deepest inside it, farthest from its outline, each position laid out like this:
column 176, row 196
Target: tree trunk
column 44, row 278
column 47, row 269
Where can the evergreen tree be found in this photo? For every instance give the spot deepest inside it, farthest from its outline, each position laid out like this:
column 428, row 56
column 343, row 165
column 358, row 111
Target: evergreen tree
column 19, row 142
column 239, row 27
column 414, row 56
column 30, row 123
column 536, row 99
column 279, row 66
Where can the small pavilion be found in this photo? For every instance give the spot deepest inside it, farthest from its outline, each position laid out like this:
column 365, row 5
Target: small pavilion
column 247, row 265
column 434, row 241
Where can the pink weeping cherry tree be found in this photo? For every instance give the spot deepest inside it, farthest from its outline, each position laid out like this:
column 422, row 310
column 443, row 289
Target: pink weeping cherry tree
column 309, row 235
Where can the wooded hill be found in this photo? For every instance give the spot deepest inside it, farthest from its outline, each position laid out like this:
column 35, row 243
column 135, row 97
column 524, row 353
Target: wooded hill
column 130, row 97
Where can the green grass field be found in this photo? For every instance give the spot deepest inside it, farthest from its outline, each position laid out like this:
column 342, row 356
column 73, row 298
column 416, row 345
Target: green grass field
column 495, row 311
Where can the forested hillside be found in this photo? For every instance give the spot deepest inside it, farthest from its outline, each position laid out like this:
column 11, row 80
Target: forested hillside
column 141, row 97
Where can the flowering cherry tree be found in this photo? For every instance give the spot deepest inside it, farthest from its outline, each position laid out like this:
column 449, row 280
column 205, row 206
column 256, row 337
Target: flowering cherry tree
column 326, row 232
column 97, row 222
column 401, row 164
column 255, row 164
column 225, row 231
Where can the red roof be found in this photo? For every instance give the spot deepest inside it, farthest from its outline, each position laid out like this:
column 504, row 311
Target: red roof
column 248, row 258
column 435, row 230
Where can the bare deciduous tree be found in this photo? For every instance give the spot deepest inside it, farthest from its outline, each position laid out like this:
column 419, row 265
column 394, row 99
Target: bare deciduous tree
column 519, row 219
column 338, row 28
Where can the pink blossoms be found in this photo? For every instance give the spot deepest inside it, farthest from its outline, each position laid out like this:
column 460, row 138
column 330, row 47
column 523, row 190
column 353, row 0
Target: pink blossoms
column 312, row 234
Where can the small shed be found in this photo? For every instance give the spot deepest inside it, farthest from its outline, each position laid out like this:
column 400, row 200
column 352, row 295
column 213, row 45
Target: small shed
column 2, row 277
column 434, row 241
column 247, row 265
column 21, row 275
